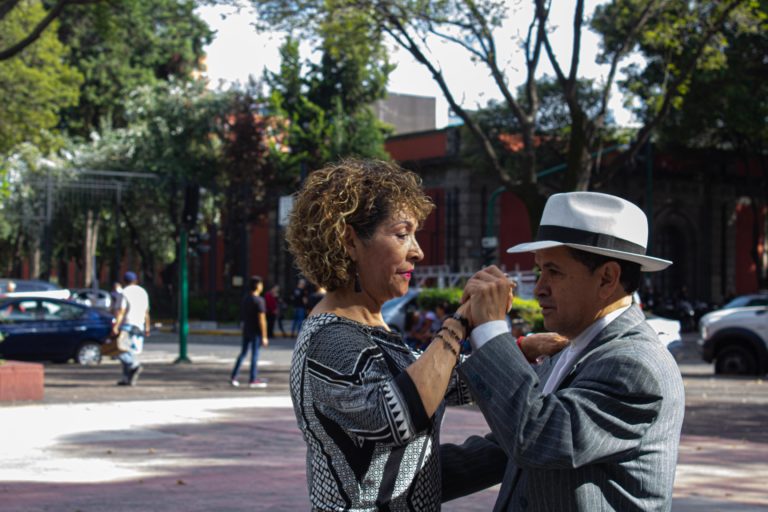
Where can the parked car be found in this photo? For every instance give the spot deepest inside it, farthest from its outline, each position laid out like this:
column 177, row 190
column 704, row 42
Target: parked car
column 397, row 311
column 33, row 288
column 749, row 300
column 92, row 297
column 42, row 329
column 735, row 337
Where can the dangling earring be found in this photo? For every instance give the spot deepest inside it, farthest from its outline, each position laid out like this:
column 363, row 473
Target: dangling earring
column 358, row 288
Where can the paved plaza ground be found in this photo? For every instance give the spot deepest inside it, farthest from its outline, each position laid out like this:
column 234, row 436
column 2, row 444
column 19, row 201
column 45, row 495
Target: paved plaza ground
column 183, row 440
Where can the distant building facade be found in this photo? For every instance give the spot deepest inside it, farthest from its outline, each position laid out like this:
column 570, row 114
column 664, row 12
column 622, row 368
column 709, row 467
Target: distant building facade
column 707, row 212
column 406, row 112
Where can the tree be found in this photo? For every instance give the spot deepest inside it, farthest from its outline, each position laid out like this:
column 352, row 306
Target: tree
column 679, row 39
column 32, row 32
column 120, row 46
column 245, row 172
column 692, row 32
column 35, row 84
column 468, row 25
column 726, row 109
column 327, row 103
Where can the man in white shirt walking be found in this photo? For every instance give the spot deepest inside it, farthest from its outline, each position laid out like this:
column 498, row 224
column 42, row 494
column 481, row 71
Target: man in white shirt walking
column 132, row 317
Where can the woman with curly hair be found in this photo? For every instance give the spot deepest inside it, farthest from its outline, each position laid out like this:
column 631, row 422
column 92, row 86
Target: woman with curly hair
column 370, row 408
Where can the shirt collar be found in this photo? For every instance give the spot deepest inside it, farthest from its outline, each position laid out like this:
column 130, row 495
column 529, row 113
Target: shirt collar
column 580, row 342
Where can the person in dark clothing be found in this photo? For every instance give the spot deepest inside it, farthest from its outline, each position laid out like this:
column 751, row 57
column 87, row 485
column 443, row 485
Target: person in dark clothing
column 299, row 301
column 316, row 297
column 253, row 315
column 272, row 302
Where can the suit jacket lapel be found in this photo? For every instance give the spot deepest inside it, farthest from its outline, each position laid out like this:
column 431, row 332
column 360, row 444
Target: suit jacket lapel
column 630, row 318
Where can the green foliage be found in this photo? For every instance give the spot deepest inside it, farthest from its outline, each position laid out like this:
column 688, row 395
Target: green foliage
column 172, row 134
column 35, row 84
column 530, row 312
column 327, row 103
column 122, row 45
column 227, row 308
column 680, row 40
column 429, row 298
column 727, row 107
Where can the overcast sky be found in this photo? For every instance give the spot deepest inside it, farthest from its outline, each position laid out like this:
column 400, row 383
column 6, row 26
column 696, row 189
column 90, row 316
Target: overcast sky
column 238, row 50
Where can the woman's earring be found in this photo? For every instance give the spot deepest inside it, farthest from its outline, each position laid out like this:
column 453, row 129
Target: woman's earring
column 358, row 288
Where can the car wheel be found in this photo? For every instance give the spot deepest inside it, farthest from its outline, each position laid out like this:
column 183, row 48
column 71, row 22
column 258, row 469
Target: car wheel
column 88, row 354
column 735, row 360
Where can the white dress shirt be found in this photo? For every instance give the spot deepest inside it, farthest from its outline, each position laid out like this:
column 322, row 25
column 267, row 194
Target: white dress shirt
column 483, row 333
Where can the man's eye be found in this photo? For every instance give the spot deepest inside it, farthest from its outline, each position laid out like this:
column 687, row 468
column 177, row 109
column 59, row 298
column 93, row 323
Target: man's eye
column 402, row 236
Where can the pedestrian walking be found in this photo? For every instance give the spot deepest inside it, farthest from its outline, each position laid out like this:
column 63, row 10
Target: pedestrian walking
column 116, row 298
column 132, row 317
column 299, row 301
column 254, row 321
column 316, row 297
column 272, row 304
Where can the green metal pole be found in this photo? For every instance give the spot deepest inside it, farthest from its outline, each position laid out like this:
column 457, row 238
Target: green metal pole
column 490, row 214
column 183, row 298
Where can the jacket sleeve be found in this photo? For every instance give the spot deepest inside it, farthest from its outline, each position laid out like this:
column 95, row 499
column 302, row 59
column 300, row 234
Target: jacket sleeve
column 354, row 387
column 474, row 465
column 601, row 415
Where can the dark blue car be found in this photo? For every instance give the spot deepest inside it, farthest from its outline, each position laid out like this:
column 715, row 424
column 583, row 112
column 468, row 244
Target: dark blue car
column 41, row 329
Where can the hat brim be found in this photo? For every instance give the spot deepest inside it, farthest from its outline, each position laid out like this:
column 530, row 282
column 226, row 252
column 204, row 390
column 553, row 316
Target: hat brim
column 647, row 263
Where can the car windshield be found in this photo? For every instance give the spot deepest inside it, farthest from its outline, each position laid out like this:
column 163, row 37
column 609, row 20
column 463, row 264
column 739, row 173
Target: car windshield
column 392, row 304
column 747, row 301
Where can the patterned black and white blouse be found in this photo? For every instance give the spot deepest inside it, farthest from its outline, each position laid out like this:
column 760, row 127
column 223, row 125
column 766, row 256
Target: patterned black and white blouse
column 370, row 444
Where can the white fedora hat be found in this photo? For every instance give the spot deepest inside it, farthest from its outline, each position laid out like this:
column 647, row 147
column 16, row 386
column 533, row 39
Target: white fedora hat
column 597, row 223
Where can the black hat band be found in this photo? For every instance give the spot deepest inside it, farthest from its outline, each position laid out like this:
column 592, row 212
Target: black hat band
column 581, row 237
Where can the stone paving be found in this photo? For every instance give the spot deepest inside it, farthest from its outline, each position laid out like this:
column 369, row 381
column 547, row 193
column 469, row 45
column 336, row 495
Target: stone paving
column 185, row 441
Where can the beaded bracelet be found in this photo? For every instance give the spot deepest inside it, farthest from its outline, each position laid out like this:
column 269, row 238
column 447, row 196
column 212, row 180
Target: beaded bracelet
column 453, row 333
column 447, row 345
column 463, row 321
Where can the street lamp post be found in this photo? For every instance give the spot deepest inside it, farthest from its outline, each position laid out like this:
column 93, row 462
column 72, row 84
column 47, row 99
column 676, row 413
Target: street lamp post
column 183, row 298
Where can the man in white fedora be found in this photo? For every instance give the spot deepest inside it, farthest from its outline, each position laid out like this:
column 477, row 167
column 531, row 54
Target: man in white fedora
column 597, row 427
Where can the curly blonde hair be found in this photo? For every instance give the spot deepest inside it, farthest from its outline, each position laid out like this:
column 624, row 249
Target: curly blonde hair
column 356, row 193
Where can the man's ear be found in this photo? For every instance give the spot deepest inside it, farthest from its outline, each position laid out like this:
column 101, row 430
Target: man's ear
column 610, row 278
column 350, row 241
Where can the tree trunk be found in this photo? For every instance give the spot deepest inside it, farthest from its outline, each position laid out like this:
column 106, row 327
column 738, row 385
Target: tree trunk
column 534, row 202
column 579, row 170
column 36, row 257
column 92, row 222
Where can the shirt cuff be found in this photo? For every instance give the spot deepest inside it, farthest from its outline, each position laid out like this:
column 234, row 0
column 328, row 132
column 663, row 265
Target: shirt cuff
column 484, row 333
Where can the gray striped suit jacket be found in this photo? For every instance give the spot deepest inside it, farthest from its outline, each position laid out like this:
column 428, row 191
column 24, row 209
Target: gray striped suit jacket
column 606, row 439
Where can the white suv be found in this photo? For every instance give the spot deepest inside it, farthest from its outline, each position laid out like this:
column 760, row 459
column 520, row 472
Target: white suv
column 736, row 336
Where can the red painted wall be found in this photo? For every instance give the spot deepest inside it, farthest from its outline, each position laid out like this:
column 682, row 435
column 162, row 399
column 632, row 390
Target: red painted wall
column 746, row 270
column 259, row 250
column 431, row 237
column 514, row 228
column 421, row 147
